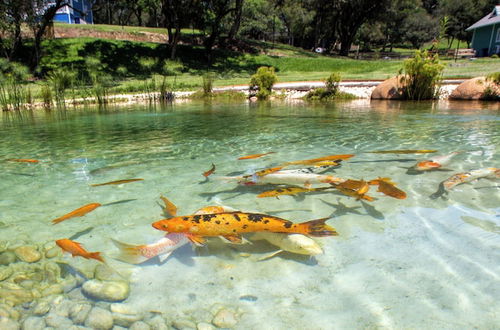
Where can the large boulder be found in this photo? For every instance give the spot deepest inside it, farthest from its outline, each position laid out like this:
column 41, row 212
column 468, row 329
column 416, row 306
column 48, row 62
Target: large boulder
column 473, row 89
column 390, row 89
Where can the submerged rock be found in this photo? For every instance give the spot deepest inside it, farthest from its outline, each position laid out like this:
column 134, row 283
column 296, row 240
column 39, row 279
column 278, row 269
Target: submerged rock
column 99, row 318
column 8, row 324
column 158, row 323
column 7, row 258
column 182, row 324
column 204, row 326
column 28, row 253
column 41, row 308
column 79, row 312
column 106, row 273
column 106, row 290
column 53, row 252
column 5, row 272
column 139, row 325
column 58, row 321
column 224, row 318
column 33, row 323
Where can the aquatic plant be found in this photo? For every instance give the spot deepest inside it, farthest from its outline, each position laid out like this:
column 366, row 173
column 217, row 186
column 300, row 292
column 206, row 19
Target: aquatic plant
column 208, row 83
column 261, row 83
column 13, row 94
column 420, row 76
column 492, row 90
column 46, row 95
column 60, row 80
column 166, row 93
column 330, row 92
column 101, row 81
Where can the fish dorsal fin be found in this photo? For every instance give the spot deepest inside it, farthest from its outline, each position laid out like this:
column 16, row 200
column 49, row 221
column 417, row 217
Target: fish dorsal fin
column 235, row 238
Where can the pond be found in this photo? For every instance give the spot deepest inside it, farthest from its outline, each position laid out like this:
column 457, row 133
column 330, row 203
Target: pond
column 425, row 261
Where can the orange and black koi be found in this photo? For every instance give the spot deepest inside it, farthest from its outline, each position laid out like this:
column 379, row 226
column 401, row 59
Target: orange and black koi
column 231, row 224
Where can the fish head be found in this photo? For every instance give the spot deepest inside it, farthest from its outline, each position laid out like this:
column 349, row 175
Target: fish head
column 301, row 244
column 427, row 165
column 167, row 225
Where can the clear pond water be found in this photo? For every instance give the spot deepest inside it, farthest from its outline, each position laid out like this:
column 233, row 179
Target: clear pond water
column 411, row 263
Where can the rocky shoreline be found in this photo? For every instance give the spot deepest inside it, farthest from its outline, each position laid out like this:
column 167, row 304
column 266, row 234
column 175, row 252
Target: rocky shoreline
column 40, row 290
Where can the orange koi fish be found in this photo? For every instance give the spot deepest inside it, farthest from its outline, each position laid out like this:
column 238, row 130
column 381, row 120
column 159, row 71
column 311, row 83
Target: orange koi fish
column 115, row 182
column 170, row 207
column 136, row 254
column 256, row 155
column 79, row 212
column 316, row 160
column 76, row 249
column 209, row 172
column 388, row 188
column 22, row 160
column 435, row 162
column 231, row 224
column 289, row 191
column 410, row 151
column 325, row 163
column 358, row 193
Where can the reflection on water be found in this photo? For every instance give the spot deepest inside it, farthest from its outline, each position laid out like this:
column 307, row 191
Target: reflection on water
column 417, row 262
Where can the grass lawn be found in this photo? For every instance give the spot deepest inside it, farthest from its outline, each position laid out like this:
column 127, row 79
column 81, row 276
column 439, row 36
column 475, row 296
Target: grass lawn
column 133, row 66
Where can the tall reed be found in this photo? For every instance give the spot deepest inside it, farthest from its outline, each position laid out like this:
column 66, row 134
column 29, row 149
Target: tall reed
column 60, row 80
column 420, row 76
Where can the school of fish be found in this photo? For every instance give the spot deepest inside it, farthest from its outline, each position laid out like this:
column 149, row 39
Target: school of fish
column 289, row 179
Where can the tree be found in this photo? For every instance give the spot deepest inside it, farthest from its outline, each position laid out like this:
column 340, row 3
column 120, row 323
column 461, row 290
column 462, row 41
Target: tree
column 419, row 28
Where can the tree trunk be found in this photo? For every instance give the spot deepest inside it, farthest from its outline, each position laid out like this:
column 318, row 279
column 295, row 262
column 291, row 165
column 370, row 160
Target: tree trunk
column 237, row 20
column 175, row 42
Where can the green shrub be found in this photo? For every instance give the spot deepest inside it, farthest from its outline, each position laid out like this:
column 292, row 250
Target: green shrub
column 330, row 92
column 421, row 76
column 492, row 92
column 332, row 83
column 46, row 95
column 262, row 82
column 494, row 56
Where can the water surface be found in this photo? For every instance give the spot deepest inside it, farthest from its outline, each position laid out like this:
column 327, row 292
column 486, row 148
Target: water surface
column 413, row 263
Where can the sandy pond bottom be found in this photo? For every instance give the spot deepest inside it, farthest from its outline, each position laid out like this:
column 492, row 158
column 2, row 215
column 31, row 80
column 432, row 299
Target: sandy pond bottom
column 412, row 263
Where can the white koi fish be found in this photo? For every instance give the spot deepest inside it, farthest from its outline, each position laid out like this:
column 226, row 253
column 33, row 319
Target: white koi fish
column 286, row 177
column 459, row 178
column 136, row 254
column 294, row 243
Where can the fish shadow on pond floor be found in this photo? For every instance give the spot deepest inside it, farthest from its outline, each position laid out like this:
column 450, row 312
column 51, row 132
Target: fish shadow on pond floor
column 342, row 209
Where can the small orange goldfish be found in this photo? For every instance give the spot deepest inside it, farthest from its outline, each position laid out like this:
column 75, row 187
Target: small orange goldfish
column 231, row 224
column 256, row 155
column 76, row 249
column 434, row 163
column 19, row 160
column 115, row 182
column 170, row 207
column 209, row 172
column 79, row 212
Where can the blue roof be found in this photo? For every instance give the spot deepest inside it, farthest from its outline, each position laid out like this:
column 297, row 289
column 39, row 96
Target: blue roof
column 490, row 19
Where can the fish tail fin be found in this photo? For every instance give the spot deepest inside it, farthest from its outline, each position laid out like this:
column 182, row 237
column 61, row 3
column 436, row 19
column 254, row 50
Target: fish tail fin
column 96, row 256
column 319, row 228
column 129, row 253
column 56, row 221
